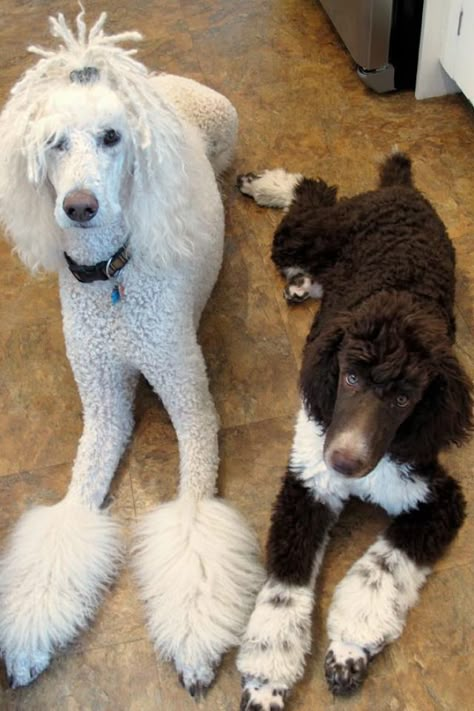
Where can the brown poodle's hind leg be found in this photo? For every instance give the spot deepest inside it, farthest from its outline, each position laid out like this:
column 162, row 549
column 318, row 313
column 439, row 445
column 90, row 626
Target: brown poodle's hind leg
column 270, row 188
column 305, row 243
column 300, row 286
column 302, row 240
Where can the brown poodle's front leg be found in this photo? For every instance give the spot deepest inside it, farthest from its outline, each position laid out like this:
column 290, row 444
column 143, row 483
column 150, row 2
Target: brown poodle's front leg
column 371, row 603
column 278, row 636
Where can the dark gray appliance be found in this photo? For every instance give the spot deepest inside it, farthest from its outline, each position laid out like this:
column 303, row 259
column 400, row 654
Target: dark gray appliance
column 383, row 37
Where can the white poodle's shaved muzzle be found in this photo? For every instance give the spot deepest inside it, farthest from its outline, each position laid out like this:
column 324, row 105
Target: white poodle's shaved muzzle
column 80, row 163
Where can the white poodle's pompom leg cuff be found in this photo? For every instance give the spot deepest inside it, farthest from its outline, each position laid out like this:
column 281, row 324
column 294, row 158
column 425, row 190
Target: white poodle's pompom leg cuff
column 58, row 562
column 198, row 569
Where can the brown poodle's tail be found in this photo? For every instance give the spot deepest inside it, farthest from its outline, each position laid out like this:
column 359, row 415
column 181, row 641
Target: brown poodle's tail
column 396, row 170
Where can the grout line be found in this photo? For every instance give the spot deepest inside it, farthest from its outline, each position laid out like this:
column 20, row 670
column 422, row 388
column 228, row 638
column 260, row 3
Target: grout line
column 229, row 428
column 93, row 648
column 33, row 469
column 130, row 478
column 454, row 566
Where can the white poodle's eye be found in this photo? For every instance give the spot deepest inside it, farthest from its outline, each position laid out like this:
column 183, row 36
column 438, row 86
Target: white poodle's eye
column 402, row 400
column 58, row 144
column 111, row 137
column 351, row 378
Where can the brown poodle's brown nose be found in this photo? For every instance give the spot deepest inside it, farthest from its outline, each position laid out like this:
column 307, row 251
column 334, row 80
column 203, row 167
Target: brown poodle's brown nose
column 345, row 463
column 80, row 205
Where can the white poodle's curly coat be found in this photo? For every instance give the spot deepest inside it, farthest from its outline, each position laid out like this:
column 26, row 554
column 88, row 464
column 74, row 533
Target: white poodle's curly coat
column 147, row 148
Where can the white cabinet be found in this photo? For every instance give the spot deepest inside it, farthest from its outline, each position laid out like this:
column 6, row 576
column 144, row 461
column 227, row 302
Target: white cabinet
column 457, row 55
column 432, row 79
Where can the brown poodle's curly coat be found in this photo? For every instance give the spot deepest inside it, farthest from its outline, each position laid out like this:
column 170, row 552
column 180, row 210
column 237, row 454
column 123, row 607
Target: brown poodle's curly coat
column 383, row 393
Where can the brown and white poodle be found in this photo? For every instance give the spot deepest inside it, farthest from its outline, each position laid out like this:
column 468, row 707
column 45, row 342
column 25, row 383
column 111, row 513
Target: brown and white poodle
column 382, row 394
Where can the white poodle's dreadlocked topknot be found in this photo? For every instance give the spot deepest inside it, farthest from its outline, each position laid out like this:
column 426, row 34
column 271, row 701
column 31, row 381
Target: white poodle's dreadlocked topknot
column 83, row 41
column 156, row 135
column 93, row 48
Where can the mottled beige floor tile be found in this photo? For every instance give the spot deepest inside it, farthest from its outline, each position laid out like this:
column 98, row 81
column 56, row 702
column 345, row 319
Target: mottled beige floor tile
column 438, row 627
column 120, row 617
column 253, row 462
column 152, row 457
column 449, row 685
column 231, row 53
column 250, row 361
column 112, row 678
column 19, row 492
column 47, row 486
column 222, row 696
column 388, row 691
column 40, row 421
column 258, row 225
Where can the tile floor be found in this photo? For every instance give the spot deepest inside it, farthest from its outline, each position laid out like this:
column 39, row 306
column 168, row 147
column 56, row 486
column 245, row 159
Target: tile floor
column 301, row 106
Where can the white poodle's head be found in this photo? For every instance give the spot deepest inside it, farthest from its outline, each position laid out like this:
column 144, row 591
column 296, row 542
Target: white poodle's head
column 86, row 156
column 85, row 142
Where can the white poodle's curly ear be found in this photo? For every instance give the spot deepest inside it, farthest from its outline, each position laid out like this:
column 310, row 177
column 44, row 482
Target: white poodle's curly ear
column 26, row 201
column 161, row 189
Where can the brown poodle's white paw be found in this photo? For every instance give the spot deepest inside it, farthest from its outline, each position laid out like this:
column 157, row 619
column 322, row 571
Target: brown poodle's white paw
column 297, row 289
column 271, row 188
column 244, row 183
column 301, row 287
column 260, row 695
column 345, row 667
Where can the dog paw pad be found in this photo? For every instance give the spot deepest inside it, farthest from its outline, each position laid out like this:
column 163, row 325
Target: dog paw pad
column 22, row 670
column 345, row 668
column 295, row 294
column 244, row 182
column 260, row 695
column 196, row 681
column 196, row 689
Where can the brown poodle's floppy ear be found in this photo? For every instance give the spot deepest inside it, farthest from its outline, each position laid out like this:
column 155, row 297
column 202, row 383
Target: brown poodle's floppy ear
column 320, row 369
column 444, row 415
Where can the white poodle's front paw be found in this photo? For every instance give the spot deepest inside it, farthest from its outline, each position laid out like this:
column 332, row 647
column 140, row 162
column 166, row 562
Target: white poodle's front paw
column 52, row 577
column 198, row 571
column 260, row 695
column 196, row 680
column 22, row 669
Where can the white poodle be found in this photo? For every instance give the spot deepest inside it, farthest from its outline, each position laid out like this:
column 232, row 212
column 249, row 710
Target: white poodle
column 107, row 176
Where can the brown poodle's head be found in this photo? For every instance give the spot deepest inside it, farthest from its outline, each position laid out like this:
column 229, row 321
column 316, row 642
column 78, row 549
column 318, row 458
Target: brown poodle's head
column 384, row 380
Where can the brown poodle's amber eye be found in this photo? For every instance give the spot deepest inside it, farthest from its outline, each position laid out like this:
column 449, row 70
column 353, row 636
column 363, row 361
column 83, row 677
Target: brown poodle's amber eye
column 111, row 137
column 402, row 400
column 351, row 379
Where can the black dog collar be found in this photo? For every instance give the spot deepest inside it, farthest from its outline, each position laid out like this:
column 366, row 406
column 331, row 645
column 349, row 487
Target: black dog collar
column 102, row 271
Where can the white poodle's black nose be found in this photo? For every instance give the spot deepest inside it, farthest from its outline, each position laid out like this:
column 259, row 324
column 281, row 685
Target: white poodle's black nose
column 80, row 205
